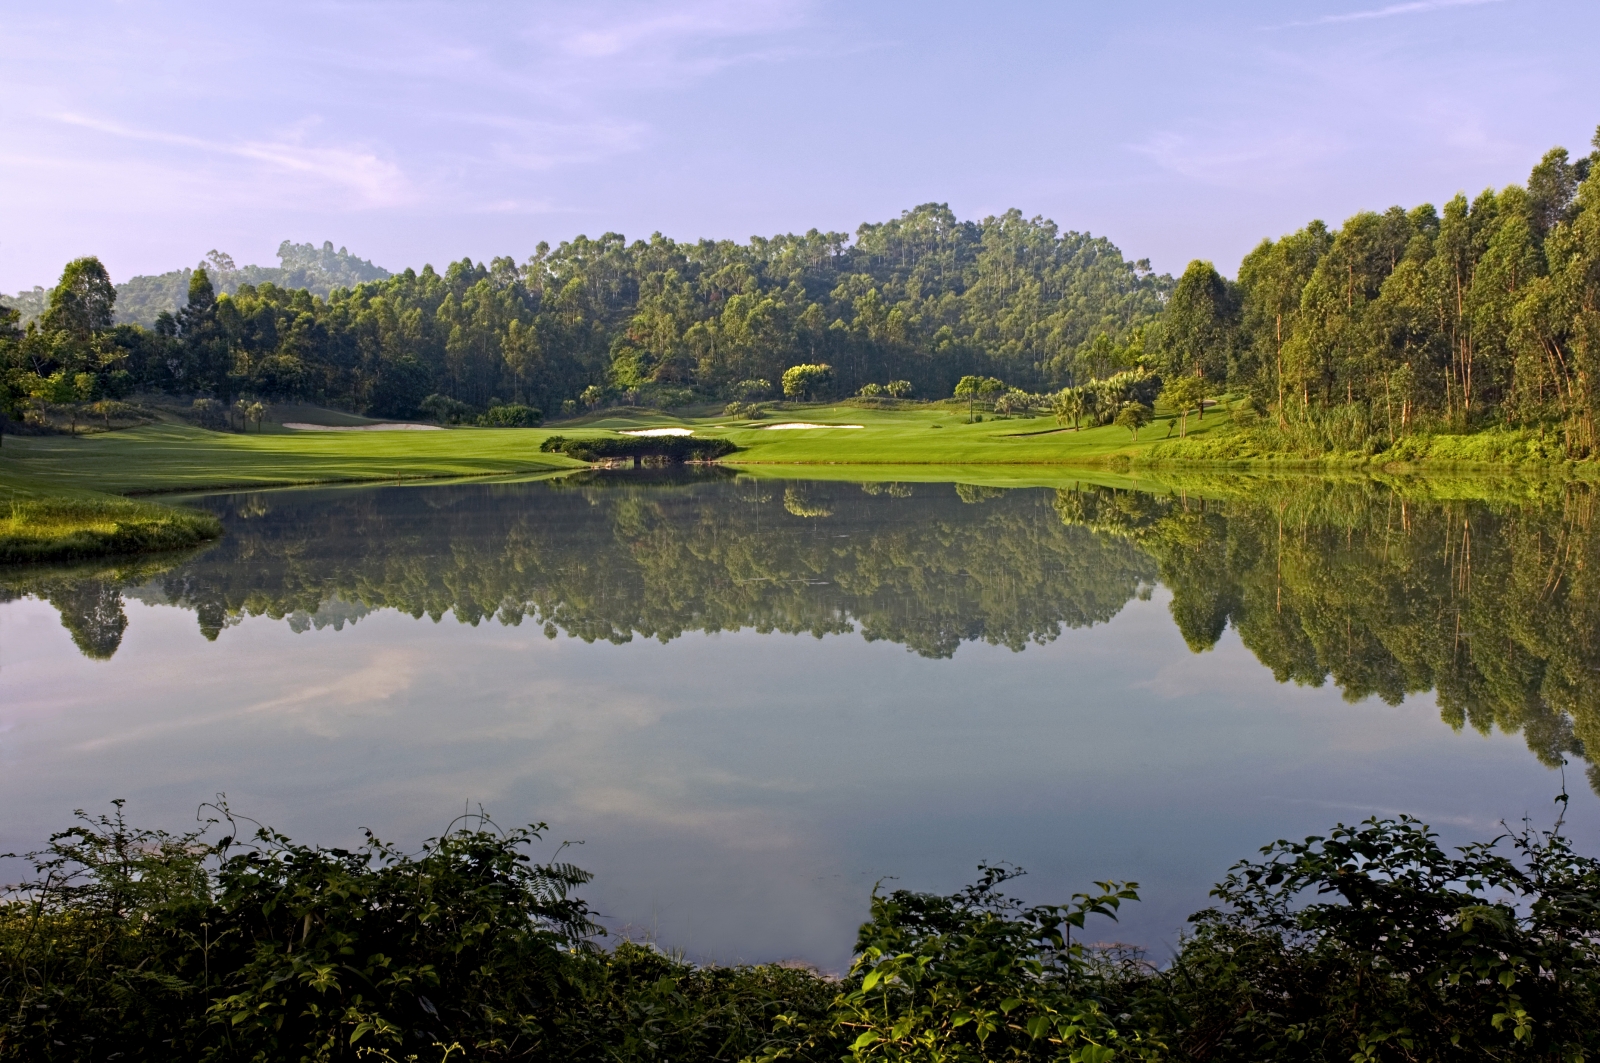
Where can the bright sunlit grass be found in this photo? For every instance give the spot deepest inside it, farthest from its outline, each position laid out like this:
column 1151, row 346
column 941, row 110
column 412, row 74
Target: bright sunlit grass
column 65, row 528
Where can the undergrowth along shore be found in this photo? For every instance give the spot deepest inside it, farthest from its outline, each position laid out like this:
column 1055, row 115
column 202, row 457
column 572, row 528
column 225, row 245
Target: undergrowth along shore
column 227, row 943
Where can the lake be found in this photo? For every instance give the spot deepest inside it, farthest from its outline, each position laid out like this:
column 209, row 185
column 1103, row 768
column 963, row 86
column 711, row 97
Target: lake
column 750, row 700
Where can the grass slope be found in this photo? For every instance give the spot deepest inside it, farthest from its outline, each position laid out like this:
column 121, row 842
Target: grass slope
column 173, row 458
column 909, row 436
column 915, row 435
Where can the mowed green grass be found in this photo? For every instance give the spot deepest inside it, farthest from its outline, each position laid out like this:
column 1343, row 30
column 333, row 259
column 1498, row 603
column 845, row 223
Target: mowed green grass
column 176, row 458
column 166, row 458
column 918, row 435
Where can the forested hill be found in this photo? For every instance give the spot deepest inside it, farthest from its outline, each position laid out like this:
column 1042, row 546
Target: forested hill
column 319, row 270
column 141, row 300
column 924, row 297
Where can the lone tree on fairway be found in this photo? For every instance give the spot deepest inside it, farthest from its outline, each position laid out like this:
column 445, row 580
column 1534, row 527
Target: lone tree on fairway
column 1068, row 404
column 1183, row 394
column 1134, row 416
column 805, row 380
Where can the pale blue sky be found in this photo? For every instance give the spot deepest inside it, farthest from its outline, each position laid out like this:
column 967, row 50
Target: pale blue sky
column 149, row 133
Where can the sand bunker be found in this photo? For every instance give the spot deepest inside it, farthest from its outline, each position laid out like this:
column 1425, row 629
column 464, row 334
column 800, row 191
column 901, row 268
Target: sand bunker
column 802, row 424
column 658, row 432
column 385, row 427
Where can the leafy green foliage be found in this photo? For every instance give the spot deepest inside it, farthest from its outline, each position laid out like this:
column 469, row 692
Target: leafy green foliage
column 1102, row 399
column 1416, row 321
column 637, row 1003
column 511, row 415
column 169, row 946
column 978, row 976
column 154, row 946
column 806, row 381
column 444, row 409
column 1134, row 416
column 923, row 298
column 663, row 449
column 1184, row 393
column 1371, row 943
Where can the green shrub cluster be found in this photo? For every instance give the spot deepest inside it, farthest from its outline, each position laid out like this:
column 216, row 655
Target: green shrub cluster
column 1371, row 943
column 673, row 450
column 513, row 415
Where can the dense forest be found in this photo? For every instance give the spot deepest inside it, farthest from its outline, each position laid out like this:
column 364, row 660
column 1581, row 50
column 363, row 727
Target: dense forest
column 924, row 297
column 1486, row 312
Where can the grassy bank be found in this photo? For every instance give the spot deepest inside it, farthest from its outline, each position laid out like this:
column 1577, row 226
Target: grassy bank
column 63, row 496
column 914, row 434
column 51, row 527
column 1266, row 446
column 176, row 458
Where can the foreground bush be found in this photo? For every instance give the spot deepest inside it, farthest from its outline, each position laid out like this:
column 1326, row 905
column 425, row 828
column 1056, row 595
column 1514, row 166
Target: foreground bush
column 1370, row 944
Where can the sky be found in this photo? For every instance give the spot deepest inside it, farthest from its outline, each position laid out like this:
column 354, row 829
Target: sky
column 149, row 133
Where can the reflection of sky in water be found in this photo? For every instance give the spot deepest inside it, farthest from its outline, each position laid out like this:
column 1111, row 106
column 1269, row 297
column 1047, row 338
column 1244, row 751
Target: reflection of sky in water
column 739, row 793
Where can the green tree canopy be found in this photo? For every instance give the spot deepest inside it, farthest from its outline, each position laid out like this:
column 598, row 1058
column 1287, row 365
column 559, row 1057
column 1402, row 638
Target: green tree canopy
column 1199, row 323
column 806, row 380
column 81, row 304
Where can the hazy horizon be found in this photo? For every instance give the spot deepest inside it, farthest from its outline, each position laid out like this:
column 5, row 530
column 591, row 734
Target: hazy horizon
column 150, row 133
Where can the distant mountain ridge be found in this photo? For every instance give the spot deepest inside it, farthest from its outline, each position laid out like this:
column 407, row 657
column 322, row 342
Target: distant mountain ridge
column 140, row 300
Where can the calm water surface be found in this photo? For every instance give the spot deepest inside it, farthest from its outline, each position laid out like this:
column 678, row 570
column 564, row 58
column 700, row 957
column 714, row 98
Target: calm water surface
column 752, row 700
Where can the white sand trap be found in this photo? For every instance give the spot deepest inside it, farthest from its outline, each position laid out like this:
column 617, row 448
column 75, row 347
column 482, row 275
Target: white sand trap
column 804, row 425
column 658, row 432
column 385, row 427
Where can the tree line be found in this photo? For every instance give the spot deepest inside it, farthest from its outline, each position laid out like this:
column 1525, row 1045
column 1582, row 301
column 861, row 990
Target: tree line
column 1484, row 313
column 917, row 302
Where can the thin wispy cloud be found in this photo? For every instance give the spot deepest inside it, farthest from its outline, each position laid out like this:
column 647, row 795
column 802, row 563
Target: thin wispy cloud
column 1414, row 7
column 375, row 181
column 1236, row 159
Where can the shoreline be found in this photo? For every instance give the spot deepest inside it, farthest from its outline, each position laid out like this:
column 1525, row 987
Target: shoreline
column 78, row 498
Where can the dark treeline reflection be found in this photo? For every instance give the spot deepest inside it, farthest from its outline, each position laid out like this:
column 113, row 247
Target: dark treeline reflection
column 618, row 556
column 1494, row 605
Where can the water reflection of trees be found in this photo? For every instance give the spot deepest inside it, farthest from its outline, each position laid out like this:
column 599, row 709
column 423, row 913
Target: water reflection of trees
column 88, row 597
column 1496, row 606
column 615, row 560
